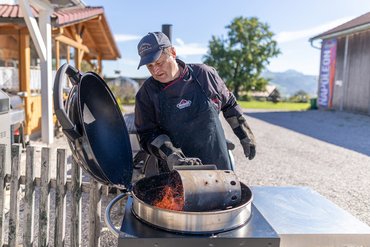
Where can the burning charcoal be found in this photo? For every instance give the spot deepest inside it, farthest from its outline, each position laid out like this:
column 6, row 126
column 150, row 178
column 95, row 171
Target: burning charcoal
column 170, row 198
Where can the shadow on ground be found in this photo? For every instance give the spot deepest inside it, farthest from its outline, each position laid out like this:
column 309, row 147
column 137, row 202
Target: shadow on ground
column 348, row 130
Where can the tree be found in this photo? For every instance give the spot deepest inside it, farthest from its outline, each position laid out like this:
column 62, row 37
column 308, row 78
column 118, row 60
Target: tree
column 242, row 56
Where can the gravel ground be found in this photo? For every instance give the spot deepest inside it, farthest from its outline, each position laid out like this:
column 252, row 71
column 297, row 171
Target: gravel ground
column 327, row 151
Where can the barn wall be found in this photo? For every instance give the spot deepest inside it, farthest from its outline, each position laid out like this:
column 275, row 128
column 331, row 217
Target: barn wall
column 354, row 92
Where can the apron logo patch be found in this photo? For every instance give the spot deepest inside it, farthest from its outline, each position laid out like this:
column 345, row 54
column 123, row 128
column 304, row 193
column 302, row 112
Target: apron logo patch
column 183, row 104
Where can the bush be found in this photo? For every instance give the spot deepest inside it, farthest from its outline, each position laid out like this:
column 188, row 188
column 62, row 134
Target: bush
column 245, row 97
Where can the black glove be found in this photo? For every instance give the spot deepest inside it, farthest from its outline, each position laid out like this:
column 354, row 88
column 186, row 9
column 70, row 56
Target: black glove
column 163, row 149
column 249, row 148
column 178, row 159
column 245, row 135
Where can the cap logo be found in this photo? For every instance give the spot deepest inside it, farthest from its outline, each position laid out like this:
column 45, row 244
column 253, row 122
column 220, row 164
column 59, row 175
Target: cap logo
column 144, row 47
column 183, row 104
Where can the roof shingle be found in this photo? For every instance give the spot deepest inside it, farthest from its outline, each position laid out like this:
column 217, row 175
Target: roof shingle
column 354, row 23
column 61, row 17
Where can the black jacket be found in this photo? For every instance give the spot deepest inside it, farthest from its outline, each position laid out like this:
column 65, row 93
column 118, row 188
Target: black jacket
column 147, row 111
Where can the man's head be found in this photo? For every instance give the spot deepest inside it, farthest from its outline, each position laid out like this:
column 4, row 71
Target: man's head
column 156, row 52
column 151, row 46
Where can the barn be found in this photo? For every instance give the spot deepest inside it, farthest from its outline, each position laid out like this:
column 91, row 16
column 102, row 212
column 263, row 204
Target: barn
column 344, row 80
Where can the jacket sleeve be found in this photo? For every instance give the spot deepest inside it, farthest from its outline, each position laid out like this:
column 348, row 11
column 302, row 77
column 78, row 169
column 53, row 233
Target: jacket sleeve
column 228, row 103
column 232, row 111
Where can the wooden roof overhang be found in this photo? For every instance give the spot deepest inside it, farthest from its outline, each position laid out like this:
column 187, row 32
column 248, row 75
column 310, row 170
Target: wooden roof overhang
column 83, row 28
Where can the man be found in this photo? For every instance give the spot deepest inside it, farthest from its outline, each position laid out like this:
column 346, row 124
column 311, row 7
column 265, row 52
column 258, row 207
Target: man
column 176, row 110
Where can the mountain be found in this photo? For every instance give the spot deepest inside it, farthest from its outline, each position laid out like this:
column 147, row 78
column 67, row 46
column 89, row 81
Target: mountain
column 291, row 81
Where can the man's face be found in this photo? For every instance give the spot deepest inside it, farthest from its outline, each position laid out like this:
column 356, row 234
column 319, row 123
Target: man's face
column 165, row 68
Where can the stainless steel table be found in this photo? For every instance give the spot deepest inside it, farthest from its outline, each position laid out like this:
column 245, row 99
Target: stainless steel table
column 281, row 216
column 304, row 218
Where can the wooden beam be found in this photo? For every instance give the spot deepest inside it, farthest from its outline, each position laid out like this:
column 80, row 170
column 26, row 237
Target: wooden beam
column 71, row 42
column 57, row 54
column 47, row 125
column 8, row 30
column 69, row 62
column 77, row 58
column 81, row 55
column 92, row 54
column 68, row 54
column 58, row 31
column 100, row 65
column 24, row 75
column 77, row 36
column 34, row 29
column 68, row 32
column 88, row 36
column 100, row 23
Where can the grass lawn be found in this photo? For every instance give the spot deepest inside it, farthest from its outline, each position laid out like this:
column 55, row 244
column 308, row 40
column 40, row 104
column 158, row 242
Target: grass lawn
column 278, row 106
column 289, row 106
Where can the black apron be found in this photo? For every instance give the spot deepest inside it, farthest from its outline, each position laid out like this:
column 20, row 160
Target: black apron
column 191, row 121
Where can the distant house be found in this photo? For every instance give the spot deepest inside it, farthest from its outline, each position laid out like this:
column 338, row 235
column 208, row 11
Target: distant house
column 344, row 81
column 123, row 88
column 271, row 93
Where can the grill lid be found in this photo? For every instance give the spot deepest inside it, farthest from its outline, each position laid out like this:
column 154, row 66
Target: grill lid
column 94, row 126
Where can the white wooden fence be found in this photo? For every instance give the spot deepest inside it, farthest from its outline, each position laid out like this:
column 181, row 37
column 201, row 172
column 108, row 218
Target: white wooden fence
column 28, row 191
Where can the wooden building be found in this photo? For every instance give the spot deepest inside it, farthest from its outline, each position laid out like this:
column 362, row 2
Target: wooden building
column 348, row 86
column 271, row 93
column 80, row 35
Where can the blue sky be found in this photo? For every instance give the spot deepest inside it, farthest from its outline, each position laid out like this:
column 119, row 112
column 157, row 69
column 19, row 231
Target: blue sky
column 195, row 21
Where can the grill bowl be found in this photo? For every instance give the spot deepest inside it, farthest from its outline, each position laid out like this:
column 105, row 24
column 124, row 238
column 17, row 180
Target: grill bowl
column 205, row 222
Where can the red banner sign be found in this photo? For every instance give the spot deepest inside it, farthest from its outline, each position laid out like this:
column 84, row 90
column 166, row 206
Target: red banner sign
column 327, row 73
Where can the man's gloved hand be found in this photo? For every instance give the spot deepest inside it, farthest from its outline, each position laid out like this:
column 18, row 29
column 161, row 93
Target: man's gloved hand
column 176, row 159
column 249, row 148
column 163, row 149
column 245, row 135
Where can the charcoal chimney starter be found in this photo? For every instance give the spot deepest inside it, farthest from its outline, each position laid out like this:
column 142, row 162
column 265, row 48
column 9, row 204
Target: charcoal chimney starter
column 209, row 190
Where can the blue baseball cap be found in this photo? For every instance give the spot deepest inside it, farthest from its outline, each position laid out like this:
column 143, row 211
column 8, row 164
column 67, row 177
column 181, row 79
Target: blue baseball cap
column 151, row 46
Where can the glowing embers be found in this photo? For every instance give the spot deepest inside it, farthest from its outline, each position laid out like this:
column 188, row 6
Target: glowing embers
column 171, row 198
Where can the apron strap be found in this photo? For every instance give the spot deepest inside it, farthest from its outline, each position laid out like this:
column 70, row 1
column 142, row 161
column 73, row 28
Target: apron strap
column 196, row 79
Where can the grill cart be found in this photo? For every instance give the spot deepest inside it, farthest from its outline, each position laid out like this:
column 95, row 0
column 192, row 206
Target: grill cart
column 11, row 123
column 188, row 207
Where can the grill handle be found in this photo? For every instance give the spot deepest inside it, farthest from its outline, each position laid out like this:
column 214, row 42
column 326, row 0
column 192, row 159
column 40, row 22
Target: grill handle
column 107, row 218
column 201, row 167
column 68, row 127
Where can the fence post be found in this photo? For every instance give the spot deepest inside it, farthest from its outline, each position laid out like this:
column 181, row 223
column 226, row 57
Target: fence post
column 60, row 203
column 29, row 198
column 94, row 213
column 14, row 196
column 76, row 205
column 2, row 194
column 43, row 236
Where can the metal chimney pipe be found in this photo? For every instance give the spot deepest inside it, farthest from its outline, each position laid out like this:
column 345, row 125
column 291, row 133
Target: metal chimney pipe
column 167, row 30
